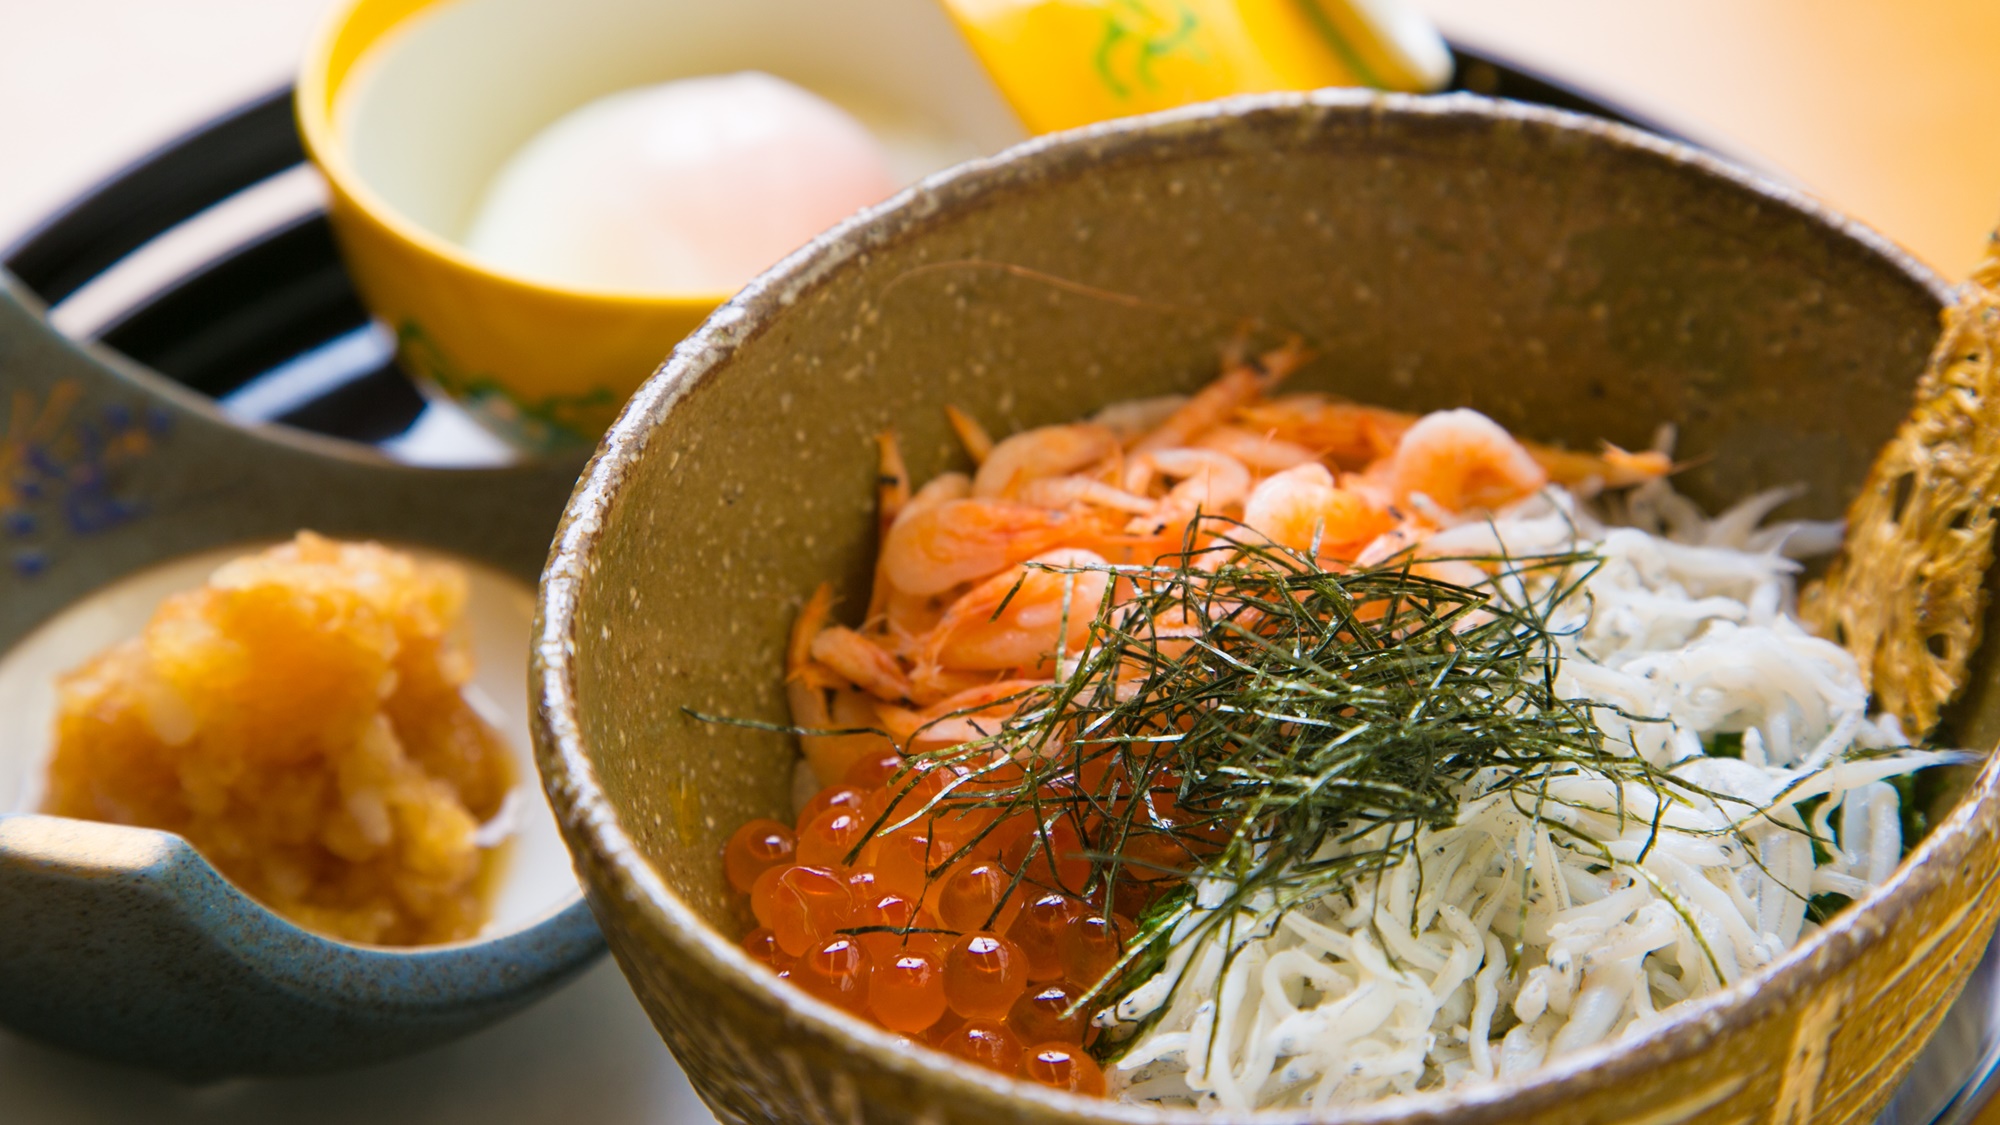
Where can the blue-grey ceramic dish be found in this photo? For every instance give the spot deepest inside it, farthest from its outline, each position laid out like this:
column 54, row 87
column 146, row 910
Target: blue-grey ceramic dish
column 124, row 943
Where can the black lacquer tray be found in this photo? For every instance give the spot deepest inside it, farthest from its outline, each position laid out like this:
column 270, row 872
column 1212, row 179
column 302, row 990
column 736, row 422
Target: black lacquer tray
column 281, row 294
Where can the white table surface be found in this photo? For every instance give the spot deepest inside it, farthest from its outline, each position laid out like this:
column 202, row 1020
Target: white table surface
column 586, row 1054
column 1889, row 110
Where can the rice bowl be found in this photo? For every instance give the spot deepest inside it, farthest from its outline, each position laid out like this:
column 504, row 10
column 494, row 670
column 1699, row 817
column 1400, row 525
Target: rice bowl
column 1439, row 253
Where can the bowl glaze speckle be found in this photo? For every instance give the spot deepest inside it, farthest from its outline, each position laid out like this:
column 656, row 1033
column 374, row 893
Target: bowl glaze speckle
column 1575, row 280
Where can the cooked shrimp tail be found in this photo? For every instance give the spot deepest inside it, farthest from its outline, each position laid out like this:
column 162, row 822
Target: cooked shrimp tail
column 819, row 697
column 1588, row 472
column 1238, row 386
column 859, row 660
column 892, row 480
column 1276, row 365
column 973, row 436
column 812, row 618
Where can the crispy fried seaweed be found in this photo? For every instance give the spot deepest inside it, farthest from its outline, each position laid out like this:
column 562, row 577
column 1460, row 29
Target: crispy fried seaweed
column 1906, row 594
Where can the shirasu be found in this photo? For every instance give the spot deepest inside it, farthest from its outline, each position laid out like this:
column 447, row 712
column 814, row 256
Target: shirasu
column 1520, row 932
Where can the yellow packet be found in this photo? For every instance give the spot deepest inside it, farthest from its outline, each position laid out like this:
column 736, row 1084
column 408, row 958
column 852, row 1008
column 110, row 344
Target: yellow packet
column 1064, row 63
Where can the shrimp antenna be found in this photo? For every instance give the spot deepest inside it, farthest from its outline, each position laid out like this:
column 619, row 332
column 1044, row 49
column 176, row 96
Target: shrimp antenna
column 1053, row 281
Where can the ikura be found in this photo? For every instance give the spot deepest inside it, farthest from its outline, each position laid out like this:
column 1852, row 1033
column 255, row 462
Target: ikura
column 1038, row 1016
column 756, row 847
column 907, row 993
column 1039, row 930
column 983, row 976
column 1064, row 1066
column 969, row 932
column 837, row 971
column 802, row 905
column 977, row 898
column 834, row 833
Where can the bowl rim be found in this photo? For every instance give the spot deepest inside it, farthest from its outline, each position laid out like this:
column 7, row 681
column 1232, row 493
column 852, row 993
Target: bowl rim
column 590, row 821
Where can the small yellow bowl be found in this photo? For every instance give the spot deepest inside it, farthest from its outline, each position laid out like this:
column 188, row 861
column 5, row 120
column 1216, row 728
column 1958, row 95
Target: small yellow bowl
column 410, row 106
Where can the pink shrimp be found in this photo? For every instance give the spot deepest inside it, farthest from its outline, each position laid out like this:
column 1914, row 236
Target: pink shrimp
column 978, row 445
column 907, row 614
column 1402, row 538
column 984, row 708
column 1134, row 418
column 1173, row 635
column 940, row 489
column 836, row 754
column 1302, row 505
column 1257, row 452
column 819, row 699
column 1350, row 436
column 862, row 662
column 1061, row 492
column 799, row 664
column 1047, row 451
column 930, row 683
column 932, row 549
column 1205, row 481
column 1212, row 405
column 1023, row 615
column 1613, row 468
column 1461, row 460
column 883, row 600
column 1354, row 437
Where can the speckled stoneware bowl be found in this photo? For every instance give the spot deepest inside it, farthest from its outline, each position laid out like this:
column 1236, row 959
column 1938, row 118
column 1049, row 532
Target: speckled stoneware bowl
column 1573, row 279
column 123, row 942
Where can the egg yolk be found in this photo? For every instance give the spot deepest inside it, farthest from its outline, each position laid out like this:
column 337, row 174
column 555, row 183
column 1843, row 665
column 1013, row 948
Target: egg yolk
column 687, row 187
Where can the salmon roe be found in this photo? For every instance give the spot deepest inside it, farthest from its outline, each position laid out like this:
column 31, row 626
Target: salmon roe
column 987, row 1043
column 889, row 910
column 1039, row 930
column 842, row 796
column 873, row 771
column 763, row 945
column 907, row 993
column 983, row 976
column 1054, row 857
column 802, row 905
column 903, row 861
column 1064, row 1066
column 977, row 898
column 837, row 971
column 827, row 841
column 1037, row 1017
column 1092, row 945
column 756, row 847
column 967, row 930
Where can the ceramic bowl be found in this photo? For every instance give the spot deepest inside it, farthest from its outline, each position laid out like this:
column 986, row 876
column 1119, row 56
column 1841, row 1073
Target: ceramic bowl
column 117, row 488
column 409, row 107
column 1573, row 279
